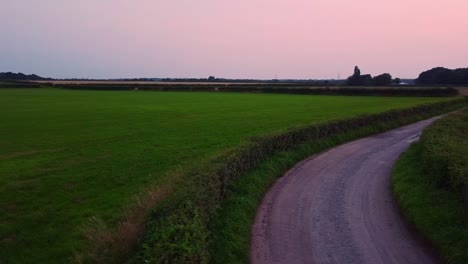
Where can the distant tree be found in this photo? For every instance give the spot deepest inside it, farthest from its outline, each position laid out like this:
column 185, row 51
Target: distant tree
column 211, row 78
column 358, row 80
column 354, row 79
column 357, row 71
column 383, row 79
column 366, row 80
column 397, row 81
column 437, row 75
column 442, row 75
column 20, row 77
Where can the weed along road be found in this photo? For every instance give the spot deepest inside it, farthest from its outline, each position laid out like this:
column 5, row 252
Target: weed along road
column 337, row 207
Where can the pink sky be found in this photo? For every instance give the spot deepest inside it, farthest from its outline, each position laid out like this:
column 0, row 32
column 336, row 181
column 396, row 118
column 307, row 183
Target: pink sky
column 233, row 39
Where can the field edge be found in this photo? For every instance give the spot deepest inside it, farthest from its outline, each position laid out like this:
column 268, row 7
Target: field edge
column 179, row 229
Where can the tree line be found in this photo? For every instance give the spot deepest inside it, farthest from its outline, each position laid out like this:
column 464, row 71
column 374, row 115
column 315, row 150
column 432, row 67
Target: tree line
column 358, row 79
column 442, row 75
column 10, row 76
column 435, row 76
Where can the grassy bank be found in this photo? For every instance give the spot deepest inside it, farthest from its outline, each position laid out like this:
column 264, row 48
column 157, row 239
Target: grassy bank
column 70, row 156
column 189, row 228
column 429, row 181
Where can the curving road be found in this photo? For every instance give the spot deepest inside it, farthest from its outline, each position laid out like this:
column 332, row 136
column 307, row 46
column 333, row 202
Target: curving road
column 337, row 207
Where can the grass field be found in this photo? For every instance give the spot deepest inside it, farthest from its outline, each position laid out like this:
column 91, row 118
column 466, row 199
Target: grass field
column 66, row 156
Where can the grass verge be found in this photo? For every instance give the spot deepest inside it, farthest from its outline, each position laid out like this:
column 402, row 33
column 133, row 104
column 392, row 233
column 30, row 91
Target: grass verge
column 427, row 183
column 436, row 212
column 208, row 217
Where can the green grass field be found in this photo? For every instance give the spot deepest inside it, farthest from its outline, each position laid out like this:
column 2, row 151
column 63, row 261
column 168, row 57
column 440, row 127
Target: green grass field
column 66, row 156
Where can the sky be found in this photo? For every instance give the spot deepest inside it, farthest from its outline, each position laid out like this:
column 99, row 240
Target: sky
column 255, row 39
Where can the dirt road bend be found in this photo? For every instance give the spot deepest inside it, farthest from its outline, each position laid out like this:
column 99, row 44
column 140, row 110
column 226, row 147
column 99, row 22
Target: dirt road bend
column 337, row 207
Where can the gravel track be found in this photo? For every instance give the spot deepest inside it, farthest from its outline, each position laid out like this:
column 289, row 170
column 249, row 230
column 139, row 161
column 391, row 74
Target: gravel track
column 337, row 207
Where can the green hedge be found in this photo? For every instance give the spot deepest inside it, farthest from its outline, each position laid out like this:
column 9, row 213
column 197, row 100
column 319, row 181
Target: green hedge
column 19, row 85
column 270, row 88
column 445, row 152
column 178, row 230
column 438, row 214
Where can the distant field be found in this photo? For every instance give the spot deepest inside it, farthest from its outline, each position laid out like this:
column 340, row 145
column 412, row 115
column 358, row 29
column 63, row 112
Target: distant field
column 66, row 156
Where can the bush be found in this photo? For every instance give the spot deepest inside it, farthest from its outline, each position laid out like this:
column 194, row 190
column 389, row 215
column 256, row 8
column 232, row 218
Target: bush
column 445, row 152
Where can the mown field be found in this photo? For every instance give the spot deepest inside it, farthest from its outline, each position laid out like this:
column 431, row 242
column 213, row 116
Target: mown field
column 67, row 156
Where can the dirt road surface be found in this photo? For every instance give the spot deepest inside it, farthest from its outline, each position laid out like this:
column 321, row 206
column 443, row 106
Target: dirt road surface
column 337, row 207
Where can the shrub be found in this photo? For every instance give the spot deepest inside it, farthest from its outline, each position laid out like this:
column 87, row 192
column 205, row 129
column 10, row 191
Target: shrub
column 445, row 152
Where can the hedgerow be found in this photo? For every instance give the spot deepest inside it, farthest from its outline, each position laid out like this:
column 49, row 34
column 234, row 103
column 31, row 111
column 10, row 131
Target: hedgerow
column 430, row 185
column 20, row 85
column 445, row 153
column 270, row 88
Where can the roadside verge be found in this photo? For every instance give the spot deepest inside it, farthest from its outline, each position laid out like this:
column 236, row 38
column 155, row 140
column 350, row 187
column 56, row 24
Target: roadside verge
column 430, row 183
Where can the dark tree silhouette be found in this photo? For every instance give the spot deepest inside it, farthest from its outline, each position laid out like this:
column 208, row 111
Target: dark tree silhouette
column 442, row 75
column 357, row 71
column 383, row 79
column 10, row 76
column 357, row 79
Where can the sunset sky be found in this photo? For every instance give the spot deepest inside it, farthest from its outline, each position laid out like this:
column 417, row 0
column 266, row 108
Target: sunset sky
column 232, row 39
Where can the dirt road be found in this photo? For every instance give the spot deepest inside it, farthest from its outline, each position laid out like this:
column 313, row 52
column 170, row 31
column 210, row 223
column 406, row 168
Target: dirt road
column 337, row 207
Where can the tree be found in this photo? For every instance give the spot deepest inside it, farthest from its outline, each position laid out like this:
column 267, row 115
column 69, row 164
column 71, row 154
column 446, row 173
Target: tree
column 20, row 76
column 442, row 75
column 354, row 79
column 366, row 80
column 397, row 81
column 357, row 79
column 383, row 79
column 357, row 71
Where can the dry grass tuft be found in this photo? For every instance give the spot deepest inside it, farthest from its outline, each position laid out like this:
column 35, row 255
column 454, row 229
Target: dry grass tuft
column 116, row 244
